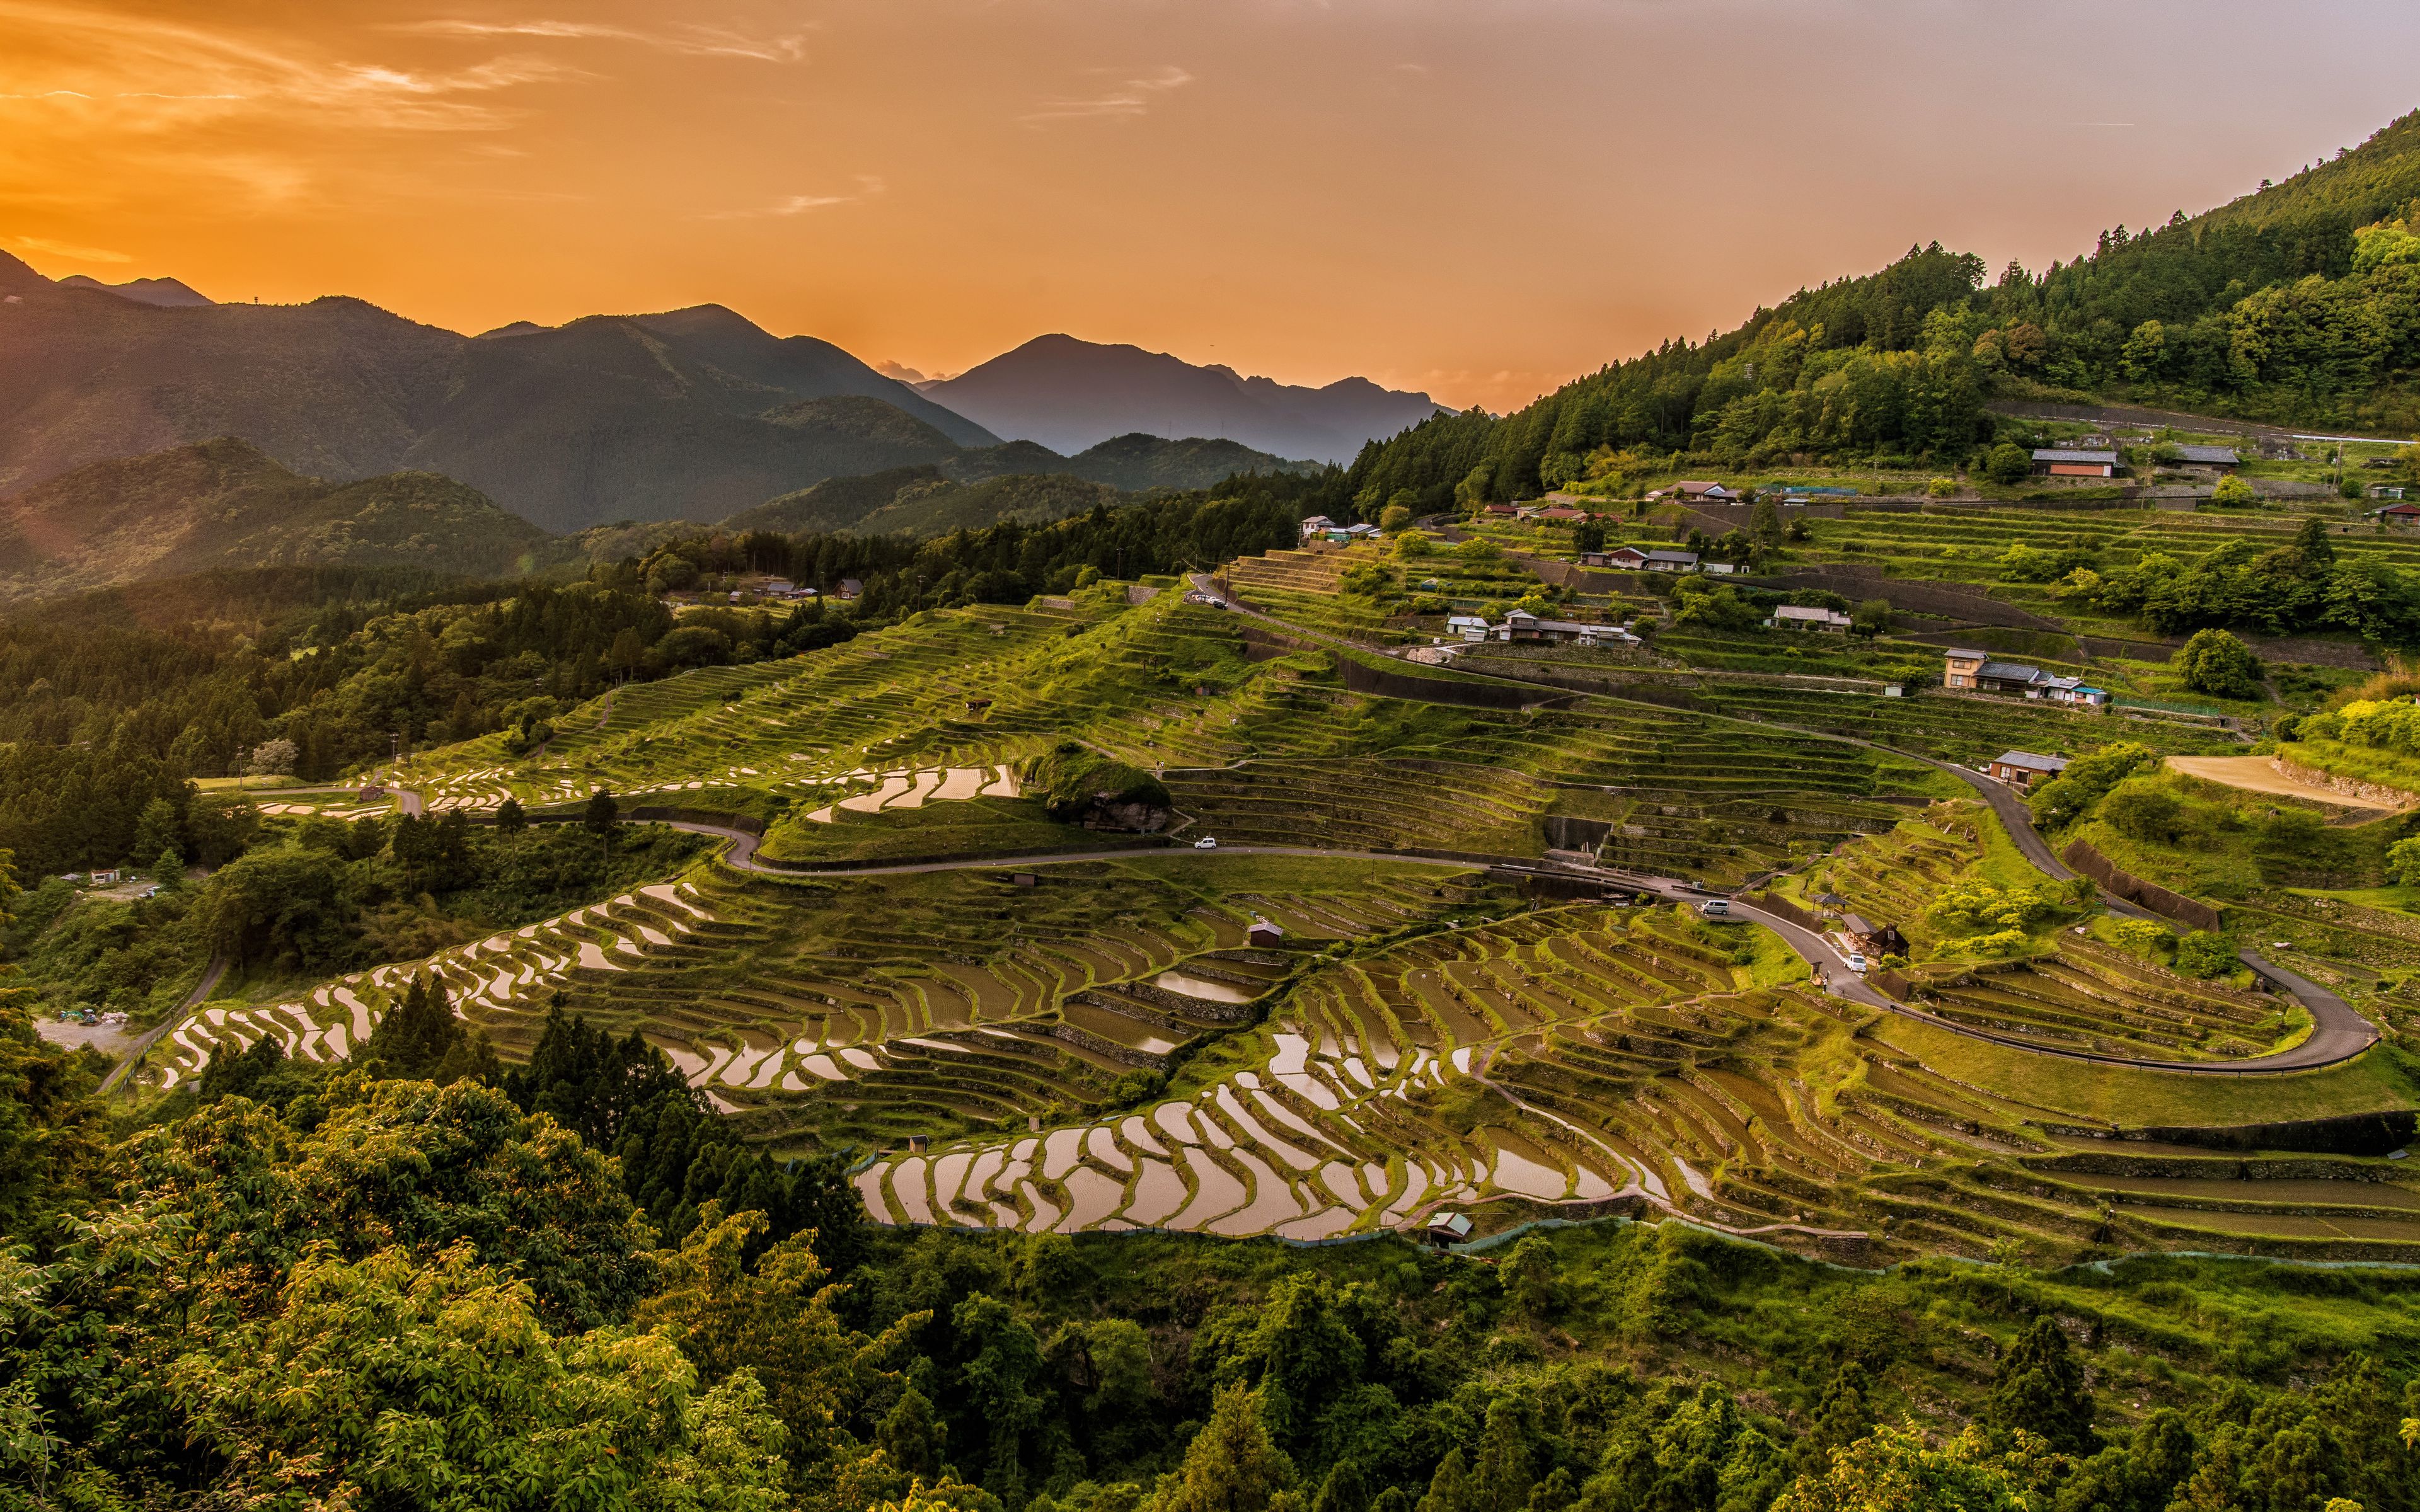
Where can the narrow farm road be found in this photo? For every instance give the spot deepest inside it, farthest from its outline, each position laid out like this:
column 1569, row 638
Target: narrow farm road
column 200, row 994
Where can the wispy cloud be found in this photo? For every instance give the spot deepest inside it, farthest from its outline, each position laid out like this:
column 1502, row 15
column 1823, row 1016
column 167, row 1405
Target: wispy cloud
column 160, row 76
column 67, row 249
column 869, row 186
column 1125, row 101
column 103, row 101
column 118, row 93
column 694, row 41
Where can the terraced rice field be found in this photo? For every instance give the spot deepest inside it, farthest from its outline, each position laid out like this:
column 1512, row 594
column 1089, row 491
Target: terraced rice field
column 2079, row 996
column 982, row 688
column 1306, row 588
column 1338, row 1130
column 910, row 1004
column 1583, row 1058
column 1108, row 1046
column 341, row 807
column 2087, row 997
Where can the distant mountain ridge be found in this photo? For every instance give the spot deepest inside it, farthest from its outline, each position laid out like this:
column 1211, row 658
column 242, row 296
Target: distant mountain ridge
column 168, row 292
column 688, row 413
column 1070, row 395
column 226, row 503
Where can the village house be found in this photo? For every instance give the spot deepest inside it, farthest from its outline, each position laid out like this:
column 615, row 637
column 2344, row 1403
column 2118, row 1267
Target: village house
column 1873, row 939
column 1562, row 513
column 1522, row 625
column 1976, row 671
column 1671, row 562
column 2024, row 768
column 1317, row 525
column 1263, row 934
column 1792, row 617
column 1628, row 558
column 1449, row 1228
column 2209, row 458
column 2073, row 690
column 851, row 588
column 1467, row 626
column 2055, row 462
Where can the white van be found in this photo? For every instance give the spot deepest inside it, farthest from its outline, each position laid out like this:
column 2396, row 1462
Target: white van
column 1718, row 908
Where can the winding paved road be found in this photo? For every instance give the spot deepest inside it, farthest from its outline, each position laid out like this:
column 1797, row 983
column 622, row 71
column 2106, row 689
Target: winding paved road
column 2337, row 1031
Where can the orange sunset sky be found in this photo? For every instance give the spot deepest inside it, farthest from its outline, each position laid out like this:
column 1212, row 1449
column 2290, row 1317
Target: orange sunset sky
column 1475, row 197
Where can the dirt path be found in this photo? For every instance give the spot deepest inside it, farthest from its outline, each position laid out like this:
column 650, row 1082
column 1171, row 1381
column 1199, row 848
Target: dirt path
column 2255, row 775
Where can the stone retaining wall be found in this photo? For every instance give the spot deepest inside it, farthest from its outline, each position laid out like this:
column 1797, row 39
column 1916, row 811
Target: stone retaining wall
column 2377, row 792
column 2175, row 906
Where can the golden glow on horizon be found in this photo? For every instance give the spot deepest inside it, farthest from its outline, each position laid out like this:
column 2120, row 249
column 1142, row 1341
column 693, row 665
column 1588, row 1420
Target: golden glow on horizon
column 1475, row 197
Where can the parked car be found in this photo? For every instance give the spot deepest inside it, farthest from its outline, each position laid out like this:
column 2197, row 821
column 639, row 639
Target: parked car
column 1205, row 843
column 1857, row 962
column 1718, row 908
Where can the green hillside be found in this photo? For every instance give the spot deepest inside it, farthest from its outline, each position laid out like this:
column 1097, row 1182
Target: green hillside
column 923, row 501
column 1019, row 481
column 225, row 504
column 2297, row 303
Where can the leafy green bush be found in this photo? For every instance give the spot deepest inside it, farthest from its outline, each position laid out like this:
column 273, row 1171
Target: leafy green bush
column 1976, row 907
column 2142, row 809
column 2070, row 798
column 2142, row 936
column 2403, row 861
column 2202, row 953
column 1070, row 779
column 2216, row 663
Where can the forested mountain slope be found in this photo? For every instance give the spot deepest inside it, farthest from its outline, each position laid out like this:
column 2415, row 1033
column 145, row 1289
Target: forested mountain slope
column 2298, row 302
column 225, row 504
column 1020, row 481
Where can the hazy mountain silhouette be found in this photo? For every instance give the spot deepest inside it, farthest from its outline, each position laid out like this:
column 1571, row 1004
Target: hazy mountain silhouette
column 161, row 291
column 690, row 413
column 1070, row 395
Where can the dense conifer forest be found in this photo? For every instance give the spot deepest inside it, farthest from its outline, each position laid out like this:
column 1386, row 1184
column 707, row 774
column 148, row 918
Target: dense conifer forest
column 2298, row 303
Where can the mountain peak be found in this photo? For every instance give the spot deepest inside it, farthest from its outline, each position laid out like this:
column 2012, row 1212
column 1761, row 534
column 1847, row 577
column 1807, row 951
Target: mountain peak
column 1069, row 395
column 18, row 277
column 168, row 293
